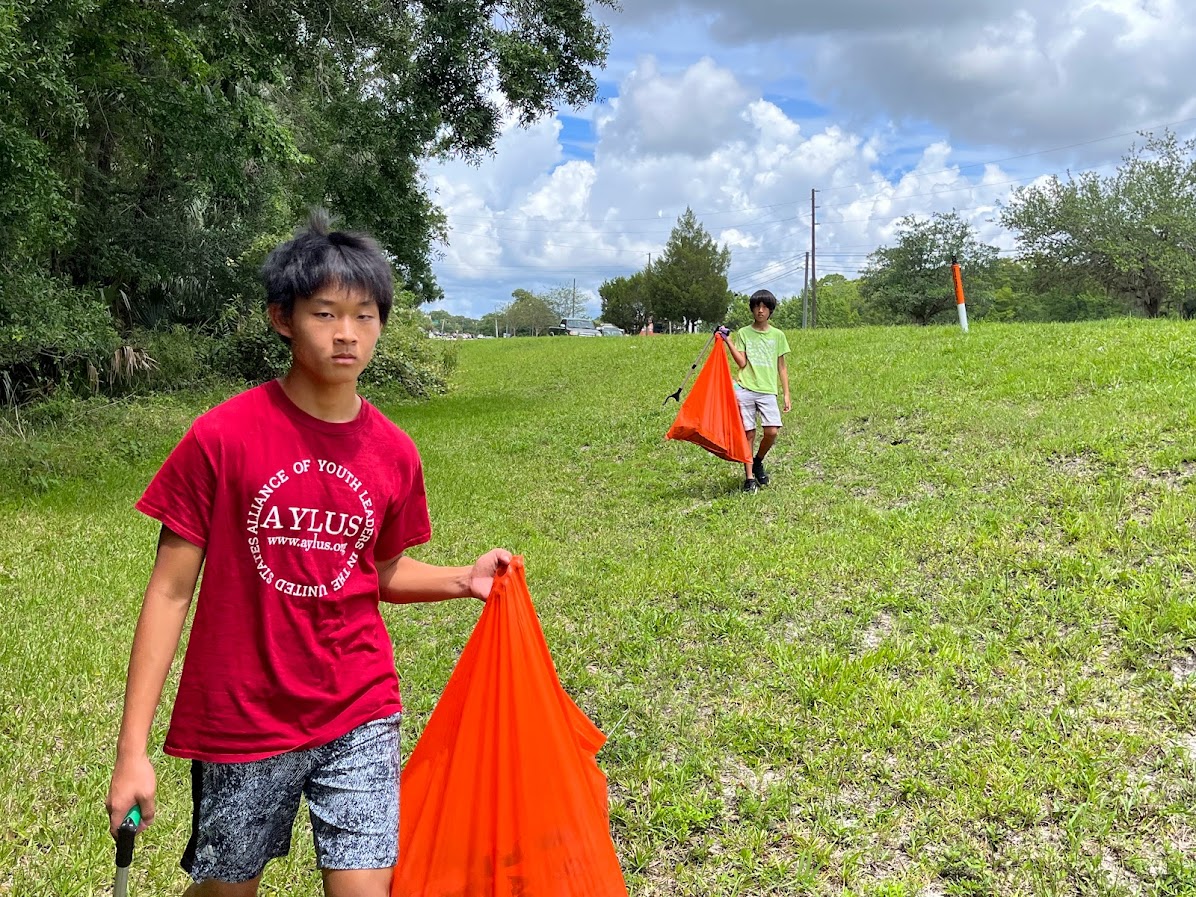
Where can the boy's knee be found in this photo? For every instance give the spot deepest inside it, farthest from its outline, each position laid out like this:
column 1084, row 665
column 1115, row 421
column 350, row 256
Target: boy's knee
column 213, row 888
column 771, row 431
column 357, row 882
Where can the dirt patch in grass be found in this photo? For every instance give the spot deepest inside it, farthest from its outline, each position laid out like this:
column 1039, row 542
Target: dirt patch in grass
column 1182, row 840
column 892, row 864
column 737, row 778
column 660, row 878
column 1171, row 478
column 1118, row 876
column 1082, row 466
column 877, row 631
column 1188, row 743
column 921, row 492
column 902, row 430
column 856, row 427
column 1183, row 668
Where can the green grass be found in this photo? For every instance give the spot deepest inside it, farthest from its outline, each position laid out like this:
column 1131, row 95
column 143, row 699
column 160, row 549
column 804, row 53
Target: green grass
column 950, row 651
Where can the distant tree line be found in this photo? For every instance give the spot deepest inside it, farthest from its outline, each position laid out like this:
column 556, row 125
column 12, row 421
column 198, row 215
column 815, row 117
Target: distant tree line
column 531, row 314
column 1088, row 247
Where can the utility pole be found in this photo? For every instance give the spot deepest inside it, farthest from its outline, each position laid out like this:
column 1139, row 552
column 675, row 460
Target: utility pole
column 805, row 295
column 813, row 262
column 648, row 274
column 573, row 306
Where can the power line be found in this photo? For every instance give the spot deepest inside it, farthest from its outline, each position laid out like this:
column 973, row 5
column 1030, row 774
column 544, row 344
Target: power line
column 591, row 231
column 767, row 274
column 970, row 187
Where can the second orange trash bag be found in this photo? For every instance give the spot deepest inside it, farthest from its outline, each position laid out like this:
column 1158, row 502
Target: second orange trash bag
column 502, row 795
column 709, row 416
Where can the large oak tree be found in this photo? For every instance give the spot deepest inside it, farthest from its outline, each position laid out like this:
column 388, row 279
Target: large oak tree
column 1132, row 233
column 910, row 281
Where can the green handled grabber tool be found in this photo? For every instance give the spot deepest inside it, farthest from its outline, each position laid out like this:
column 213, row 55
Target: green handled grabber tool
column 124, row 850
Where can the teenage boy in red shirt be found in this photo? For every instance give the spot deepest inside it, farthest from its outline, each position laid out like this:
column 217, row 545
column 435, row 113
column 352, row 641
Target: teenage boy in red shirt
column 299, row 499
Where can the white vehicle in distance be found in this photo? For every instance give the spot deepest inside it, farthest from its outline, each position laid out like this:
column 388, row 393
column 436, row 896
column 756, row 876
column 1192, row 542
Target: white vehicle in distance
column 575, row 327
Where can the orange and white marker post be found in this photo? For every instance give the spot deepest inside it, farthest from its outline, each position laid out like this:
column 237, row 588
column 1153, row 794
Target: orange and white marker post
column 959, row 303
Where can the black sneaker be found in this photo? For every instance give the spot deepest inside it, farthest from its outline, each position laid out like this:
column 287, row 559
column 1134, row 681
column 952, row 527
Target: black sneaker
column 751, row 486
column 759, row 472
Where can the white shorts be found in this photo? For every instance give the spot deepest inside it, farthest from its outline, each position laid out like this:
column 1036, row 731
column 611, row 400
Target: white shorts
column 753, row 403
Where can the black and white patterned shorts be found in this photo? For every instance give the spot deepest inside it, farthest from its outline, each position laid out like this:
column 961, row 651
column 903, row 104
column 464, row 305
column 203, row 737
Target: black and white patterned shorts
column 243, row 812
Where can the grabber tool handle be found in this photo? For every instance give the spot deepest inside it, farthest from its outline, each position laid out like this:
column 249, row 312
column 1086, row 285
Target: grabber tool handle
column 676, row 396
column 124, row 837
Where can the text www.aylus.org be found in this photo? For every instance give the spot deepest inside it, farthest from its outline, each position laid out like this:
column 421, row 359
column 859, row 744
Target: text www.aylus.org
column 308, row 544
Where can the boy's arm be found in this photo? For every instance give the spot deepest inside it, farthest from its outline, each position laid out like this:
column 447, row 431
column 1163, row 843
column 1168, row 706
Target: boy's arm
column 159, row 627
column 739, row 355
column 404, row 580
column 783, row 373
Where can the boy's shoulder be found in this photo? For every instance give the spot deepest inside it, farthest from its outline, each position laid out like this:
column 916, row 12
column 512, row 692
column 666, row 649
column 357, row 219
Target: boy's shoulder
column 233, row 411
column 386, row 428
column 770, row 332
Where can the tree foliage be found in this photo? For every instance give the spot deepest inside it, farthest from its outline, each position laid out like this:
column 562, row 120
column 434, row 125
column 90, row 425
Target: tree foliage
column 564, row 301
column 625, row 301
column 911, row 280
column 688, row 282
column 529, row 314
column 151, row 152
column 447, row 322
column 839, row 305
column 739, row 312
column 1132, row 234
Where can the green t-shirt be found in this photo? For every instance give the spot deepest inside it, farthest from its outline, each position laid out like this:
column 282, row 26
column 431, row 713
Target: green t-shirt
column 762, row 349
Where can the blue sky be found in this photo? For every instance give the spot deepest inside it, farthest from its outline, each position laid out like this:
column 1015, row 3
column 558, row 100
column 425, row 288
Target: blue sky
column 737, row 110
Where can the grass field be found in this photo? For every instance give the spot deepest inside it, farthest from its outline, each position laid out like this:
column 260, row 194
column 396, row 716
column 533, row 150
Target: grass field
column 950, row 651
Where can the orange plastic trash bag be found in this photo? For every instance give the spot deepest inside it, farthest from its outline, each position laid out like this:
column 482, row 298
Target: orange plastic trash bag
column 502, row 795
column 709, row 416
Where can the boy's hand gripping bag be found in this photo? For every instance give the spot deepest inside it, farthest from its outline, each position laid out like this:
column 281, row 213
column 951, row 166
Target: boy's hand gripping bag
column 502, row 795
column 709, row 416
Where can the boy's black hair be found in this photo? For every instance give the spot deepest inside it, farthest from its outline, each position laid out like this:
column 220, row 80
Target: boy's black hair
column 763, row 297
column 318, row 256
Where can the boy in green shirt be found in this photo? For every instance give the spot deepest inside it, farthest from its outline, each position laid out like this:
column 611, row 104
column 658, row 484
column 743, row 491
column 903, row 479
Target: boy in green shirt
column 759, row 351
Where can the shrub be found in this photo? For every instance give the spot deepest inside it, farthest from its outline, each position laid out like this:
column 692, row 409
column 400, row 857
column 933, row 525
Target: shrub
column 182, row 357
column 52, row 336
column 407, row 360
column 248, row 349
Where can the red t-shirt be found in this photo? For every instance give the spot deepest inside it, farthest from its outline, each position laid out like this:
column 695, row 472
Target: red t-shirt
column 287, row 648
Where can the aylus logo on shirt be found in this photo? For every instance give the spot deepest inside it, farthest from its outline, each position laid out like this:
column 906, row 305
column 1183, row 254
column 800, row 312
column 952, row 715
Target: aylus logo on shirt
column 314, row 521
column 341, row 530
